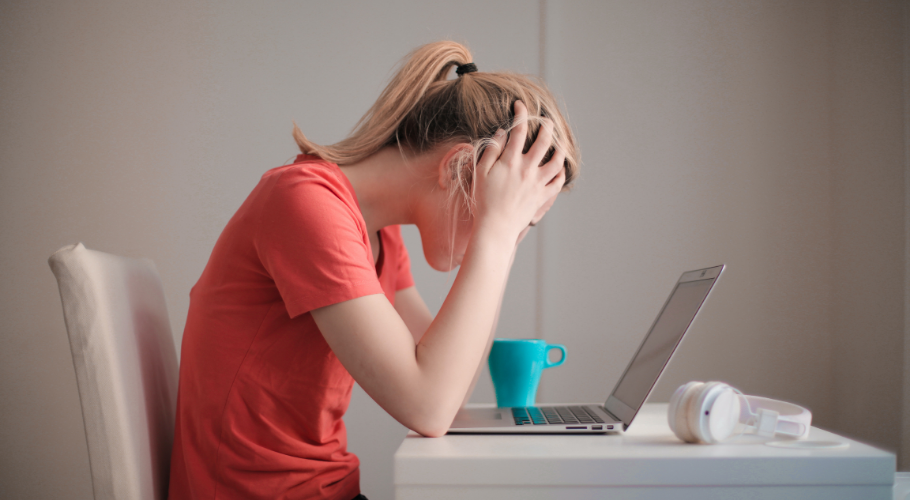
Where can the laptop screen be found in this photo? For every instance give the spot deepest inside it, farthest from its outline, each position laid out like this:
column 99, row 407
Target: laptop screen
column 661, row 341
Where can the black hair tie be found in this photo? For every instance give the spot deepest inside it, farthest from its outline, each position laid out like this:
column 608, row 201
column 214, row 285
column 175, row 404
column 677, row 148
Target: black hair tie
column 465, row 68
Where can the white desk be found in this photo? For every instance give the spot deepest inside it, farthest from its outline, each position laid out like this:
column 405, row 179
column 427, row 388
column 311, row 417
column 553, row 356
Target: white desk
column 647, row 462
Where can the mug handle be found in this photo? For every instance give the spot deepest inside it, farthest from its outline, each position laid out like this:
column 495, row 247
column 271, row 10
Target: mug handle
column 561, row 361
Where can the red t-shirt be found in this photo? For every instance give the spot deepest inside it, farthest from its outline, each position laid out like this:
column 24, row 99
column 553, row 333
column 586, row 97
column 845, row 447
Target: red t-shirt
column 261, row 393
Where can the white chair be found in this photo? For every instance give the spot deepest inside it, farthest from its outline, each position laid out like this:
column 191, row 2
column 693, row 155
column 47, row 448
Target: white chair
column 126, row 369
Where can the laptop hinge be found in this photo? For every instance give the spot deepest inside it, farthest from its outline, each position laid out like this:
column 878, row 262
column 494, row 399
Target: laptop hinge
column 608, row 412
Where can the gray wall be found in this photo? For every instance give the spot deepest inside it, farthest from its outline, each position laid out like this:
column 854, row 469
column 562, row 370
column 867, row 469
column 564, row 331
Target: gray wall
column 868, row 189
column 765, row 135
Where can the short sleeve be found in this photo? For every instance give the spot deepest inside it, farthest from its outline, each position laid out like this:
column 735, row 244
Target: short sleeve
column 312, row 241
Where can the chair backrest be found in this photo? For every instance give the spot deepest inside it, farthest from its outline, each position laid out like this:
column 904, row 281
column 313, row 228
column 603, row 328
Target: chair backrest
column 126, row 368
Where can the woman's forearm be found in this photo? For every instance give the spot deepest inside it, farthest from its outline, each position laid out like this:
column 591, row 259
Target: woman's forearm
column 486, row 351
column 452, row 349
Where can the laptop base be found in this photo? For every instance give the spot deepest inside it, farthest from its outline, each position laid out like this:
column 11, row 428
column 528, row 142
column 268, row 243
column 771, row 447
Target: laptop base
column 547, row 419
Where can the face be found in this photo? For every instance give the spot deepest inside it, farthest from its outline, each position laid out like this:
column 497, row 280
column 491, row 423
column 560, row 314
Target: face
column 444, row 230
column 445, row 227
column 445, row 237
column 543, row 210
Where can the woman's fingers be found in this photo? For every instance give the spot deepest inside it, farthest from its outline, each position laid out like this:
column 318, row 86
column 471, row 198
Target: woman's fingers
column 518, row 133
column 555, row 186
column 552, row 167
column 542, row 143
column 513, row 187
column 492, row 152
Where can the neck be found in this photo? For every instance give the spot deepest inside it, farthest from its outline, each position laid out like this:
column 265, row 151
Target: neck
column 387, row 185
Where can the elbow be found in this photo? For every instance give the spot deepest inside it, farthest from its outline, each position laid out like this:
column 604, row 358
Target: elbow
column 431, row 431
column 434, row 424
column 431, row 427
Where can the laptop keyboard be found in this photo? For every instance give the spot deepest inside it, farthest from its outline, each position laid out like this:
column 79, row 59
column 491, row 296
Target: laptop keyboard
column 543, row 415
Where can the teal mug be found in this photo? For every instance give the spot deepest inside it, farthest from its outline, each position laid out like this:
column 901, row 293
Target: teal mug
column 515, row 366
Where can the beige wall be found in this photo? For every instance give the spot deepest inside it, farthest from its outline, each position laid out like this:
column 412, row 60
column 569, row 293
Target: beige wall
column 765, row 135
column 705, row 128
column 904, row 463
column 867, row 144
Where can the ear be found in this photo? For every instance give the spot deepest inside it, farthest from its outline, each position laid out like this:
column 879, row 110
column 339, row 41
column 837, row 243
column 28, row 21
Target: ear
column 448, row 160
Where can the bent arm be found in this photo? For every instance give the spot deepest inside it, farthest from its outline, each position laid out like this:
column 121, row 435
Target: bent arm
column 413, row 311
column 492, row 335
column 422, row 385
column 416, row 315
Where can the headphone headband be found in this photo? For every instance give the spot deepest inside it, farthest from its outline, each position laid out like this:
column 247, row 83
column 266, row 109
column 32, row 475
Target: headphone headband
column 709, row 413
column 791, row 419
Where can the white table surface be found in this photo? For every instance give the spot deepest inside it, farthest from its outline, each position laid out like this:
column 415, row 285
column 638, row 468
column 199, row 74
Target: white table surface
column 647, row 461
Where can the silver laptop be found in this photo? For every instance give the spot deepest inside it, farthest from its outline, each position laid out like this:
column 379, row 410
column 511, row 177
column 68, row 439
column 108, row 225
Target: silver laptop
column 630, row 392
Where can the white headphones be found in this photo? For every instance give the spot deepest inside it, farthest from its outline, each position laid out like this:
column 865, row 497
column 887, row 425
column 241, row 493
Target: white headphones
column 709, row 412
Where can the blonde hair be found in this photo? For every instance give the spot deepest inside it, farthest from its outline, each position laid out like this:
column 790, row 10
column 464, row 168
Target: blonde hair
column 421, row 108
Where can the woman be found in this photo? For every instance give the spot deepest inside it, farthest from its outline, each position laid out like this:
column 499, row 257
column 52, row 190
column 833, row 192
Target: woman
column 309, row 288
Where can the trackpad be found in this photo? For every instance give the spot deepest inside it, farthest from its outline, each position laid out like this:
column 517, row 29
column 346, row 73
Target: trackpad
column 478, row 414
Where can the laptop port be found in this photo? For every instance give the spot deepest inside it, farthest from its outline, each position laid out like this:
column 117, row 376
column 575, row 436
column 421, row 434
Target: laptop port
column 576, row 427
column 609, row 427
column 597, row 427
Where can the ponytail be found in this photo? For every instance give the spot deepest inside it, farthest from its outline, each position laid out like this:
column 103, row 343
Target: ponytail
column 421, row 109
column 423, row 67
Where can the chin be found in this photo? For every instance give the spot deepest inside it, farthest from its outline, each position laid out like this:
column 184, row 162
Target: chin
column 443, row 263
column 438, row 251
column 443, row 266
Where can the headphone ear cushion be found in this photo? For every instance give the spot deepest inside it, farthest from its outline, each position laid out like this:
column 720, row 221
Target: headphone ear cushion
column 695, row 411
column 674, row 407
column 715, row 414
column 678, row 412
column 724, row 415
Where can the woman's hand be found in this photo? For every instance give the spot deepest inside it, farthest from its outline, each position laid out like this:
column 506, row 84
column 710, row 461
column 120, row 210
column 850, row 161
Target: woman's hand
column 513, row 189
column 423, row 384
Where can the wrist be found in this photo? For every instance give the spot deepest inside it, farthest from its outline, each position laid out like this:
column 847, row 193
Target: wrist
column 489, row 234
